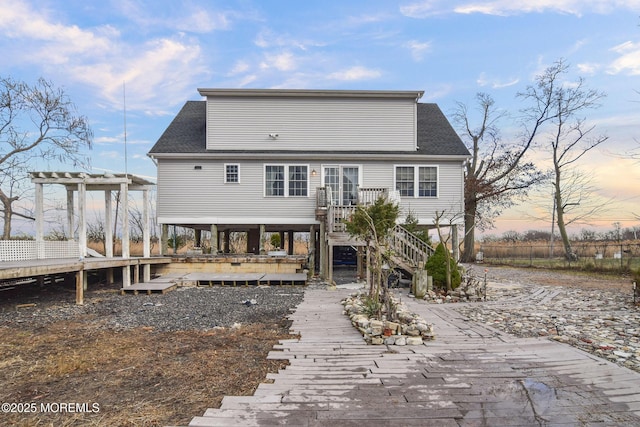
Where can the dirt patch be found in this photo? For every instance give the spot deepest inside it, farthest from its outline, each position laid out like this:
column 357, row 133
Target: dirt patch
column 82, row 371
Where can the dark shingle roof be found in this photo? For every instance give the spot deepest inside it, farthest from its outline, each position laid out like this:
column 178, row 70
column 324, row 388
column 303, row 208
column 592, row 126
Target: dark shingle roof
column 186, row 133
column 436, row 137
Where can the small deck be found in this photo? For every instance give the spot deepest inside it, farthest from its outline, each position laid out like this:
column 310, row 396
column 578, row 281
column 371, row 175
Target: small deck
column 246, row 279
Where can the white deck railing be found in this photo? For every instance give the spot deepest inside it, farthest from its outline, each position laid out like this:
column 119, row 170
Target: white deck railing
column 24, row 250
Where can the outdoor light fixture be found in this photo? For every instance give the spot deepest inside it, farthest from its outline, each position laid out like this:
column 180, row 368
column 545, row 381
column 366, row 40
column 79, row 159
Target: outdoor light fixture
column 314, row 173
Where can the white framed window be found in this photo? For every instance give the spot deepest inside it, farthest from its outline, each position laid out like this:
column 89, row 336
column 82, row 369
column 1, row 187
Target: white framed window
column 286, row 180
column 231, row 173
column 416, row 180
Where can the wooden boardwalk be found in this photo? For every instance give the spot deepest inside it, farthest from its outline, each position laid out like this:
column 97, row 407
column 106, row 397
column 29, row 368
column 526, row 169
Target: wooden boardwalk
column 469, row 376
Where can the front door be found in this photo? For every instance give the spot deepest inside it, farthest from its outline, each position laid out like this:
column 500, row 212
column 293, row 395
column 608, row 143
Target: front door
column 343, row 181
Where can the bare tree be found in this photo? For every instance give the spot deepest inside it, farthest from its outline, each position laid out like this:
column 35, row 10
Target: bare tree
column 569, row 138
column 496, row 175
column 37, row 122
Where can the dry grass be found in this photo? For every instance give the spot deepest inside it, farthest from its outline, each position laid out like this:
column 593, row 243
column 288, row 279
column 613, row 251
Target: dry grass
column 137, row 377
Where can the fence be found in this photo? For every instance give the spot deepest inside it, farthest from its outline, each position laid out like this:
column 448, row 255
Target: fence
column 23, row 250
column 620, row 256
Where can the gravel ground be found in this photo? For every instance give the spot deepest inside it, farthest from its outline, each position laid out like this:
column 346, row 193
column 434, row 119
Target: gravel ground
column 187, row 308
column 594, row 313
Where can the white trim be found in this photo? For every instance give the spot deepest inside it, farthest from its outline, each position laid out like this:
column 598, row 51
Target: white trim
column 416, row 179
column 237, row 220
column 286, row 167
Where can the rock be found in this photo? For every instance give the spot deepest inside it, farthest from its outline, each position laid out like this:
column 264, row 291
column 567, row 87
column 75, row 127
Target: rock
column 401, row 340
column 414, row 340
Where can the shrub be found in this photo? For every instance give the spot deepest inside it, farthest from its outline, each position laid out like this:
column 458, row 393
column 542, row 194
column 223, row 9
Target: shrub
column 437, row 268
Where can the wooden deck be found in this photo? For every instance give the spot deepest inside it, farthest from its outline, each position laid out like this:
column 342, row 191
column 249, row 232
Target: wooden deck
column 47, row 268
column 246, row 279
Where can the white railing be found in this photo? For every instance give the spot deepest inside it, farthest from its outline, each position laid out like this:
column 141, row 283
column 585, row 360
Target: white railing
column 24, row 250
column 338, row 217
column 368, row 196
column 409, row 247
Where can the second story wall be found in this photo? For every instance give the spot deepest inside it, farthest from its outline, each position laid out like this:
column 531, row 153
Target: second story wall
column 259, row 123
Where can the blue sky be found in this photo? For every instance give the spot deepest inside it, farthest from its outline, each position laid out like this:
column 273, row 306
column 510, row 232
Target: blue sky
column 162, row 51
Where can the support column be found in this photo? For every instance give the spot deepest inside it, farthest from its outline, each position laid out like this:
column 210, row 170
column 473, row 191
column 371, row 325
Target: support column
column 213, row 240
column 80, row 287
column 323, row 250
column 227, row 242
column 164, row 239
column 312, row 251
column 197, row 237
column 330, row 264
column 146, row 236
column 82, row 213
column 290, row 235
column 261, row 244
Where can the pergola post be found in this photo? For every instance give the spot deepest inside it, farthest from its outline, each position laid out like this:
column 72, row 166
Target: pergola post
column 124, row 200
column 108, row 232
column 70, row 207
column 82, row 212
column 39, row 221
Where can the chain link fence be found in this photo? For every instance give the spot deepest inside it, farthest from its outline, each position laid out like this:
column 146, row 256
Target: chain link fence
column 589, row 256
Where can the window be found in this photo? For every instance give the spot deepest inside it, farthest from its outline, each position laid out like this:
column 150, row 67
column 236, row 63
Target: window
column 286, row 180
column 231, row 173
column 297, row 180
column 427, row 181
column 274, row 180
column 404, row 180
column 424, row 178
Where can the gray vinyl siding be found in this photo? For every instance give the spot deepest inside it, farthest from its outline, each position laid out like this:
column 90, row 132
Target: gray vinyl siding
column 311, row 124
column 190, row 194
column 202, row 196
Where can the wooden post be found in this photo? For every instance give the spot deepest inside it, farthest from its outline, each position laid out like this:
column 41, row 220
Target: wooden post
column 146, row 236
column 197, row 233
column 213, row 240
column 80, row 287
column 323, row 250
column 455, row 243
column 290, row 235
column 164, row 239
column 262, row 232
column 126, row 276
column 108, row 226
column 330, row 264
column 312, row 250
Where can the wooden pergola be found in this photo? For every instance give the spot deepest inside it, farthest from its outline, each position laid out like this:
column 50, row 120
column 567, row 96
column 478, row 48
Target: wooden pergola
column 82, row 182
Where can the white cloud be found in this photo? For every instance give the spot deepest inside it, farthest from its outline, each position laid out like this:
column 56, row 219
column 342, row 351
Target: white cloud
column 588, row 68
column 495, row 83
column 268, row 39
column 629, row 59
column 355, row 73
column 418, row 49
column 426, row 8
column 240, row 67
column 99, row 58
column 284, row 61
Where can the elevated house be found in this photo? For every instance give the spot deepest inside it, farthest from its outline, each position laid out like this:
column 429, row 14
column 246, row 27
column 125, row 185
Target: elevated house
column 264, row 161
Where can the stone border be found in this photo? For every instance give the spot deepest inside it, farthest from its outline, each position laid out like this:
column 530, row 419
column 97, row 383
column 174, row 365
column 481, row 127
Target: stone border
column 410, row 329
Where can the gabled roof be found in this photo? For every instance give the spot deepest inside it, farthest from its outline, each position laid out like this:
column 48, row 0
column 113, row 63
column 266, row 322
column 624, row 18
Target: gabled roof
column 187, row 134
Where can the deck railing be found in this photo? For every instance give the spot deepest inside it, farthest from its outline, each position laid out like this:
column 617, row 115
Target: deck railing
column 24, row 250
column 338, row 217
column 366, row 196
column 409, row 247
